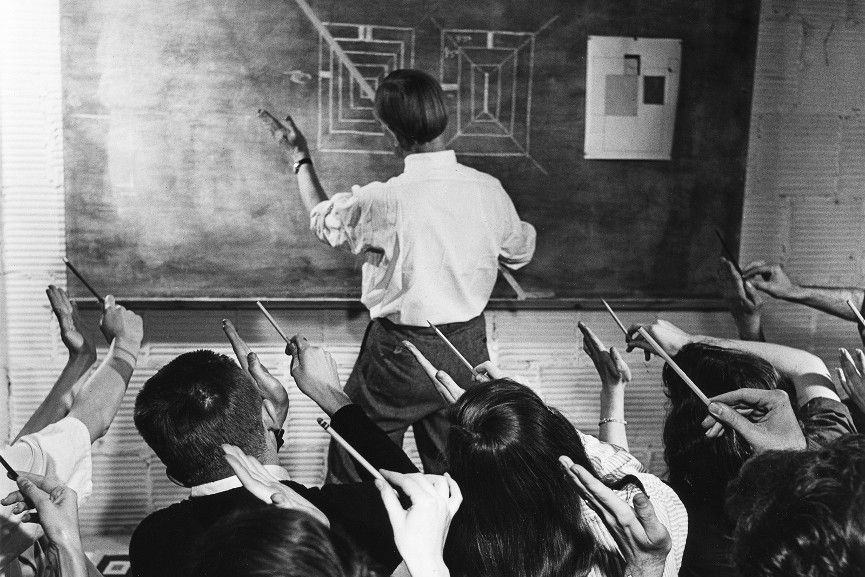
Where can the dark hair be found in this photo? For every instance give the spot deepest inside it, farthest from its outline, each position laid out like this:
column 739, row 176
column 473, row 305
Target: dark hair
column 271, row 542
column 801, row 512
column 193, row 405
column 521, row 516
column 411, row 103
column 697, row 464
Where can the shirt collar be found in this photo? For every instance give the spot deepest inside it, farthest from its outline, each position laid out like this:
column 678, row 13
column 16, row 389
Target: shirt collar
column 223, row 485
column 421, row 161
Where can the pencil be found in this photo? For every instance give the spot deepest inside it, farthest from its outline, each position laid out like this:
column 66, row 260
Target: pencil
column 663, row 354
column 74, row 270
column 453, row 348
column 856, row 312
column 728, row 252
column 615, row 317
column 12, row 474
column 351, row 450
column 272, row 321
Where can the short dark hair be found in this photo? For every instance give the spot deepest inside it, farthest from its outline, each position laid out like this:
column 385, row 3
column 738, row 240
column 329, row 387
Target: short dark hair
column 268, row 540
column 801, row 512
column 706, row 465
column 411, row 103
column 522, row 515
column 193, row 405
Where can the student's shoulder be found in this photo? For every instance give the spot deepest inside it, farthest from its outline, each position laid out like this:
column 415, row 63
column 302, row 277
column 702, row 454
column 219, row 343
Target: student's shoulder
column 161, row 524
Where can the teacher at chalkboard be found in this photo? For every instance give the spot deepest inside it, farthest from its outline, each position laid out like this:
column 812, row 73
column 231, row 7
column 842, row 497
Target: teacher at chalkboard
column 432, row 239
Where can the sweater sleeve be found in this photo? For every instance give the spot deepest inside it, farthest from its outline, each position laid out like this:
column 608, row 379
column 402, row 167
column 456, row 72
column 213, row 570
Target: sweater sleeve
column 370, row 441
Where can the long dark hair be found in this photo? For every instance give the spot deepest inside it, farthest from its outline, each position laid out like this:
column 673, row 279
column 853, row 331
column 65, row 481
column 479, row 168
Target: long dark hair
column 267, row 541
column 698, row 465
column 521, row 516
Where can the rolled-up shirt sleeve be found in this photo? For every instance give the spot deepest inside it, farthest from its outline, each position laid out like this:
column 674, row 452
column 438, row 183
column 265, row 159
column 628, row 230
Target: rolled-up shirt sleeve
column 358, row 221
column 823, row 420
column 518, row 242
column 66, row 443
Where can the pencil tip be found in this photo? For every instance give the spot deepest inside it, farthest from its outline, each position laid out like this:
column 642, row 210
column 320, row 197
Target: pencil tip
column 322, row 422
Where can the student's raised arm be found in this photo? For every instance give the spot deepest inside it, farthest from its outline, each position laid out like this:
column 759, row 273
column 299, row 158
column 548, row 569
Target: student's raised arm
column 807, row 371
column 615, row 375
column 82, row 355
column 99, row 399
column 289, row 137
column 773, row 280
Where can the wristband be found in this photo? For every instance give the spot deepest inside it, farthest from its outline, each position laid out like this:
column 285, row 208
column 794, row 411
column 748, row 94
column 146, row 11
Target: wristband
column 611, row 420
column 301, row 162
column 122, row 368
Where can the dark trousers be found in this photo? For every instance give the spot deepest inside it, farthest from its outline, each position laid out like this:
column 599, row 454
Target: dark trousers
column 392, row 388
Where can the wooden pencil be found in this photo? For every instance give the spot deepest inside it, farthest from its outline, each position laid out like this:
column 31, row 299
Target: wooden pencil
column 351, row 450
column 272, row 321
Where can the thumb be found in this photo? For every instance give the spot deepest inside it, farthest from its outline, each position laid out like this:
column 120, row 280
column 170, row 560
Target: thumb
column 395, row 512
column 758, row 283
column 109, row 302
column 648, row 519
column 256, row 369
column 732, row 418
column 31, row 491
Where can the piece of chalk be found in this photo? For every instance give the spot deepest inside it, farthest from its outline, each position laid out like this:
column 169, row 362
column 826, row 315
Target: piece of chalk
column 351, row 450
column 272, row 322
column 453, row 348
column 83, row 280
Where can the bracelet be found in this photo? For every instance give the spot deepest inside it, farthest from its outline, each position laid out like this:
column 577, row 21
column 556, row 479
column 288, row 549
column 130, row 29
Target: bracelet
column 301, row 162
column 610, row 420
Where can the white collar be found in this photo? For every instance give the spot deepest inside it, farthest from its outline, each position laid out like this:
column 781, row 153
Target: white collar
column 233, row 482
column 423, row 160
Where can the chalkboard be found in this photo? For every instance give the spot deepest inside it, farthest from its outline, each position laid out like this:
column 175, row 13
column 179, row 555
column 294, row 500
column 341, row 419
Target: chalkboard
column 174, row 188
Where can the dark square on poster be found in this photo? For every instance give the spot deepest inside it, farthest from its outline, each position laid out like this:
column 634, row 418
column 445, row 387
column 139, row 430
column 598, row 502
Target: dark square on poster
column 653, row 89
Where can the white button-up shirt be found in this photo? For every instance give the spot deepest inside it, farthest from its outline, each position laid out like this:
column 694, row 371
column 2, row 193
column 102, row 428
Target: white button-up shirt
column 67, row 444
column 432, row 238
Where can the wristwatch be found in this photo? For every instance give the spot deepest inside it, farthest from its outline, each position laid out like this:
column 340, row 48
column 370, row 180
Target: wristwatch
column 301, row 162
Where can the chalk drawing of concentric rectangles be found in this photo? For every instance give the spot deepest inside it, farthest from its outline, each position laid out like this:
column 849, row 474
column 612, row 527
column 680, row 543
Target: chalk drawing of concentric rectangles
column 346, row 122
column 487, row 76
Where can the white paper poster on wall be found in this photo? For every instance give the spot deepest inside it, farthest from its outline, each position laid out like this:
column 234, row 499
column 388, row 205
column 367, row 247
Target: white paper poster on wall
column 632, row 87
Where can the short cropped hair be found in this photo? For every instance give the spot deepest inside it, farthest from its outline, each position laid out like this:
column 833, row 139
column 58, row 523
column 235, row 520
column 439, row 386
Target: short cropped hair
column 411, row 103
column 277, row 542
column 801, row 512
column 193, row 405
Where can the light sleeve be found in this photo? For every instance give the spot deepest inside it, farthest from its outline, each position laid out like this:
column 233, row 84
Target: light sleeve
column 67, row 444
column 518, row 238
column 359, row 221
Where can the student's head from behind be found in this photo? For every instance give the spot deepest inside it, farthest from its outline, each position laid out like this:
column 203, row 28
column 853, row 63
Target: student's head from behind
column 411, row 104
column 521, row 514
column 278, row 543
column 191, row 407
column 705, row 464
column 801, row 513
